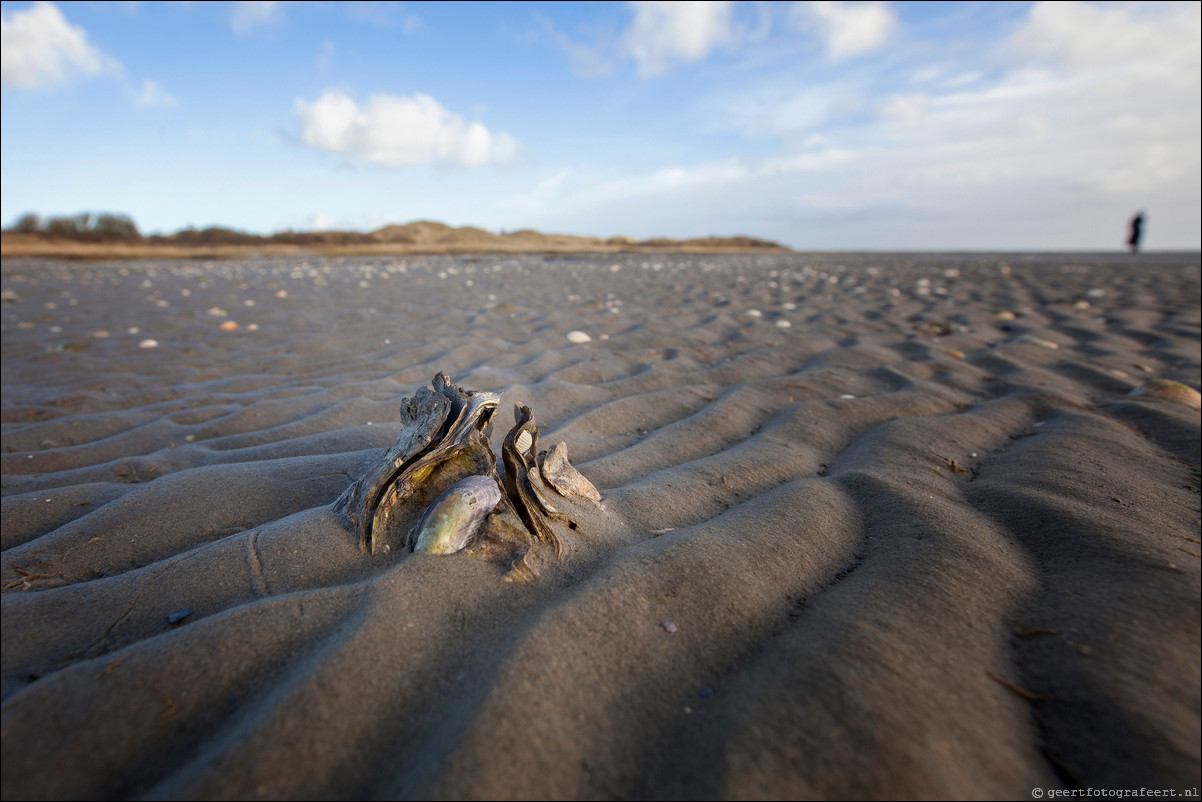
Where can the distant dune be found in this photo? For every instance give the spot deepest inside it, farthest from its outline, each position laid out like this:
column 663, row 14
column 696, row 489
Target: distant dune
column 417, row 237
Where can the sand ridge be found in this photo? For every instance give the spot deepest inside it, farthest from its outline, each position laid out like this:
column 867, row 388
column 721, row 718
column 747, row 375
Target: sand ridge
column 877, row 525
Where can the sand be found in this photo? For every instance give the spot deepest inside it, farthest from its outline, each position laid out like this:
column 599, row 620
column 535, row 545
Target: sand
column 877, row 525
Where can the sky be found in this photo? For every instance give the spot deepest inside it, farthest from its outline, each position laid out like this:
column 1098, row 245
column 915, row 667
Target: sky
column 821, row 125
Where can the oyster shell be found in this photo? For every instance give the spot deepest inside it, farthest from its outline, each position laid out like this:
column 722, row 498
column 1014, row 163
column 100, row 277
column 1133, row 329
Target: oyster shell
column 517, row 453
column 444, row 440
column 437, row 488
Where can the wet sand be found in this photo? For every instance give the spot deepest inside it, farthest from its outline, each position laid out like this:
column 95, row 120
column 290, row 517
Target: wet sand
column 876, row 525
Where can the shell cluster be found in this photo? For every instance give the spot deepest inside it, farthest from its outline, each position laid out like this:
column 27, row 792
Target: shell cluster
column 437, row 489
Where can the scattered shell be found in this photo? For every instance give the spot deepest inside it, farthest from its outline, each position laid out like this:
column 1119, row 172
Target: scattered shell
column 149, row 344
column 753, row 313
column 956, row 354
column 217, row 311
column 1004, row 314
column 669, row 626
column 450, row 522
column 1169, row 390
column 1081, row 304
column 229, row 325
column 282, row 294
column 578, row 337
column 784, row 324
column 934, row 328
column 1042, row 343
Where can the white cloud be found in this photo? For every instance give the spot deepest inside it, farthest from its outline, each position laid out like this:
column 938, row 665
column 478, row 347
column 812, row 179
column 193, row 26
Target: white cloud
column 399, row 131
column 249, row 14
column 1157, row 44
column 151, row 95
column 848, row 29
column 664, row 33
column 41, row 49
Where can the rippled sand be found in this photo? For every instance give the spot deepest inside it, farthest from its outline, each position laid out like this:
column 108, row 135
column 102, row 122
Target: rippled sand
column 878, row 525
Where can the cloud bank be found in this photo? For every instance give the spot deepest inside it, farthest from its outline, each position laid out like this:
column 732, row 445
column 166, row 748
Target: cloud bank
column 399, row 131
column 664, row 33
column 42, row 50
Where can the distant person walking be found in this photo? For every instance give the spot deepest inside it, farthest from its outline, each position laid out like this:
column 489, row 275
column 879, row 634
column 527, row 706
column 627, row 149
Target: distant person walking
column 1137, row 231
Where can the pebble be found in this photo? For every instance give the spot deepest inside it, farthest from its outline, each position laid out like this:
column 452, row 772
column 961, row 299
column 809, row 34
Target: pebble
column 149, row 344
column 217, row 311
column 229, row 325
column 784, row 324
column 669, row 626
column 753, row 313
column 578, row 337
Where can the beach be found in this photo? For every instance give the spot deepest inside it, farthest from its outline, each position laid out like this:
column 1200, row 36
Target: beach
column 873, row 525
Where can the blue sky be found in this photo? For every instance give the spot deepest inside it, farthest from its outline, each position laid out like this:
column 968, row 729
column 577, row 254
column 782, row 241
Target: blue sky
column 831, row 125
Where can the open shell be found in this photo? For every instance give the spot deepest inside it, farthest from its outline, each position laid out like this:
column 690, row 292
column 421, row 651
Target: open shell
column 437, row 488
column 444, row 440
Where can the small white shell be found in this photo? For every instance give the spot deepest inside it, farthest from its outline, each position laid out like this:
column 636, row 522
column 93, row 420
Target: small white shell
column 523, row 442
column 578, row 337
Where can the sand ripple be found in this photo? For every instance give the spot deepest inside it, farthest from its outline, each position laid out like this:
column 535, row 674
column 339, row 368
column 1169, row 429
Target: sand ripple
column 901, row 546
